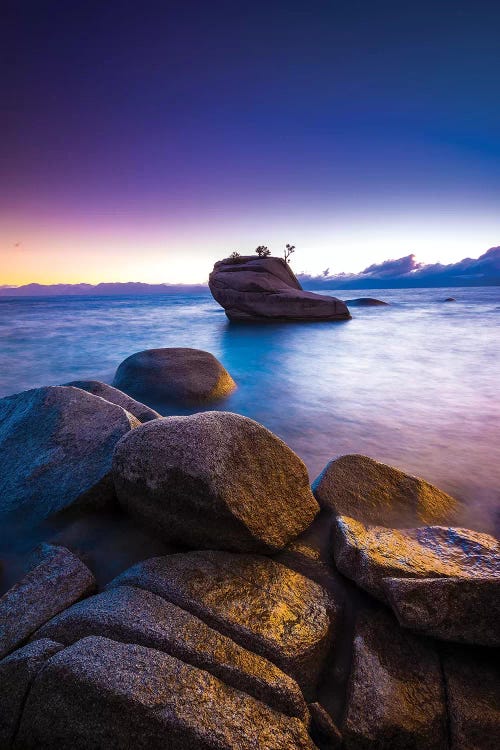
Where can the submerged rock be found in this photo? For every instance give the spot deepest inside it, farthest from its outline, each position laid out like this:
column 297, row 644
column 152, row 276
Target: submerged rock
column 372, row 492
column 454, row 609
column 216, row 480
column 260, row 604
column 252, row 288
column 368, row 555
column 17, row 673
column 365, row 302
column 59, row 580
column 56, row 445
column 102, row 694
column 140, row 411
column 396, row 696
column 133, row 615
column 175, row 374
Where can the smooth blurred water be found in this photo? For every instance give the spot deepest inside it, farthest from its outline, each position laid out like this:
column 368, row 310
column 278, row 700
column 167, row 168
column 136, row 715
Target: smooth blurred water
column 414, row 384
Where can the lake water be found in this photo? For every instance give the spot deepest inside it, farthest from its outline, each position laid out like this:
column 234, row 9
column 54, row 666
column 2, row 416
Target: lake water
column 414, row 384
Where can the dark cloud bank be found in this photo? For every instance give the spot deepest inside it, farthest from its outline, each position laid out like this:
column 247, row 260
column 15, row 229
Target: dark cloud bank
column 407, row 272
column 391, row 274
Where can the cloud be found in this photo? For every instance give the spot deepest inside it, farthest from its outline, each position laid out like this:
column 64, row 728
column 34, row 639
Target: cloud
column 407, row 272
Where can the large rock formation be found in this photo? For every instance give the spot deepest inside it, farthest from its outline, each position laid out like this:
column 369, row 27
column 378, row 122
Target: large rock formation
column 56, row 445
column 216, row 480
column 260, row 604
column 374, row 493
column 177, row 374
column 252, row 288
column 140, row 411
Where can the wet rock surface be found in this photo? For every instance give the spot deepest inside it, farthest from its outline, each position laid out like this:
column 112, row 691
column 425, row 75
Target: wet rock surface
column 59, row 580
column 260, row 604
column 368, row 554
column 132, row 615
column 365, row 302
column 140, row 411
column 183, row 375
column 453, row 609
column 252, row 288
column 56, row 445
column 396, row 696
column 102, row 694
column 196, row 481
column 372, row 492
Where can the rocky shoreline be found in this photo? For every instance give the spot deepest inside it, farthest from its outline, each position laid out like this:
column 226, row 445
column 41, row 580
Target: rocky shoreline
column 355, row 613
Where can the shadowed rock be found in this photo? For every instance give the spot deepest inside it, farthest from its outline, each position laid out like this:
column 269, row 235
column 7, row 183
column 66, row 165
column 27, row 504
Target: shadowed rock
column 55, row 583
column 252, row 288
column 140, row 411
column 367, row 555
column 102, row 694
column 396, row 696
column 323, row 728
column 454, row 609
column 260, row 604
column 473, row 691
column 131, row 615
column 17, row 672
column 187, row 376
column 359, row 487
column 365, row 302
column 215, row 480
column 56, row 445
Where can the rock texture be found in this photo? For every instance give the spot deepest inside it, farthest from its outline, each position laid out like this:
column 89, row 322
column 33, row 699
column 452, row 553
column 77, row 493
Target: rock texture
column 58, row 581
column 473, row 690
column 260, row 604
column 17, row 672
column 453, row 609
column 216, row 480
column 396, row 695
column 101, row 694
column 187, row 376
column 56, row 445
column 140, row 411
column 367, row 555
column 252, row 288
column 131, row 615
column 359, row 487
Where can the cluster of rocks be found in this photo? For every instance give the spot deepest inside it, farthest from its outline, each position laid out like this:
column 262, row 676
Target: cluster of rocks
column 356, row 613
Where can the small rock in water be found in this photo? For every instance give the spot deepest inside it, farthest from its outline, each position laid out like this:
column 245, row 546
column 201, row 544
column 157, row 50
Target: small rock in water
column 140, row 411
column 365, row 302
column 214, row 480
column 187, row 376
column 450, row 299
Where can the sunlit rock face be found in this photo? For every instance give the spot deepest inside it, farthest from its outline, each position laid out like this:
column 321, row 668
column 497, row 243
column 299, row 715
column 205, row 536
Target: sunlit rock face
column 396, row 697
column 369, row 554
column 140, row 411
column 99, row 693
column 214, row 480
column 176, row 374
column 133, row 615
column 260, row 604
column 253, row 288
column 374, row 493
column 56, row 445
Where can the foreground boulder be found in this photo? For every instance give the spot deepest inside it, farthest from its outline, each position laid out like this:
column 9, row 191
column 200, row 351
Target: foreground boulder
column 454, row 609
column 140, row 411
column 187, row 376
column 372, row 492
column 102, row 694
column 216, row 480
column 252, row 288
column 260, row 604
column 17, row 672
column 370, row 554
column 56, row 445
column 132, row 615
column 473, row 690
column 396, row 696
column 60, row 579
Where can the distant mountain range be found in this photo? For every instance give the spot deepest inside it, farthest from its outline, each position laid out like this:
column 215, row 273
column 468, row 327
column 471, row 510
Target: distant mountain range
column 400, row 273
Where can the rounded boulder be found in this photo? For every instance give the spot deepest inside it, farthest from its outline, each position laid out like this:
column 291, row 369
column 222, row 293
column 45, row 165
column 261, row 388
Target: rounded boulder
column 214, row 480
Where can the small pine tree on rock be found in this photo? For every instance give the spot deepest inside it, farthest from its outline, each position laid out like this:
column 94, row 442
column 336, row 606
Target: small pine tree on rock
column 263, row 251
column 289, row 249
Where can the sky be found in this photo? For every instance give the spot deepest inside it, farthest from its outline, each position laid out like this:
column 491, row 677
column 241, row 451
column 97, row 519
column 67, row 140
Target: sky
column 143, row 141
